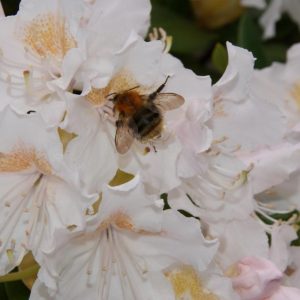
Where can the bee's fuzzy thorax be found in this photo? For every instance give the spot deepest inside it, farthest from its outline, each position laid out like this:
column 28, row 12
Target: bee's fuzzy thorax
column 128, row 103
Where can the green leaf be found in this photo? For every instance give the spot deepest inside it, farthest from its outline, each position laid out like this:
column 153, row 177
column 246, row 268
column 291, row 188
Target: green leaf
column 275, row 51
column 164, row 197
column 16, row 291
column 286, row 216
column 250, row 37
column 187, row 37
column 296, row 242
column 182, row 7
column 264, row 219
column 219, row 58
column 3, row 295
column 10, row 7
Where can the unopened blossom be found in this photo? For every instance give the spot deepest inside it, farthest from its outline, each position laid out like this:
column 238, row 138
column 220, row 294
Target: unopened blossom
column 130, row 250
column 255, row 278
column 40, row 201
column 214, row 13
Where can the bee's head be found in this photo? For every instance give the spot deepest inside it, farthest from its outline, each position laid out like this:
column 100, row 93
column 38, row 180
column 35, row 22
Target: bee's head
column 112, row 97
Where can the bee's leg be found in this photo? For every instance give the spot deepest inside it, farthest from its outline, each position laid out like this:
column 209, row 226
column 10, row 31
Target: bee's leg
column 160, row 88
column 108, row 113
column 152, row 145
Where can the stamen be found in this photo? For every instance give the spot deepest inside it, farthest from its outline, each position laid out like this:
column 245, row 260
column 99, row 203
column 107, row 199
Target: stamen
column 161, row 34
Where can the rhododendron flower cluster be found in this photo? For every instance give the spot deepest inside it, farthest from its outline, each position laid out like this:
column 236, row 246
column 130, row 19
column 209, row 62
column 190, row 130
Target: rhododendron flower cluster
column 203, row 204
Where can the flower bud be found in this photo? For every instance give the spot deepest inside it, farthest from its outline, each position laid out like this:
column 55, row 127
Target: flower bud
column 216, row 13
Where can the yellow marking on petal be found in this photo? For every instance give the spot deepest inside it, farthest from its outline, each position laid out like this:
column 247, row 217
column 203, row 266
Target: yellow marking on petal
column 121, row 177
column 187, row 284
column 121, row 82
column 96, row 97
column 48, row 36
column 119, row 219
column 65, row 137
column 23, row 159
column 16, row 161
column 295, row 93
column 123, row 221
column 42, row 165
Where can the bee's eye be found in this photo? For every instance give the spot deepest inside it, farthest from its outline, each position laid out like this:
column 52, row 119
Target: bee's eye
column 112, row 97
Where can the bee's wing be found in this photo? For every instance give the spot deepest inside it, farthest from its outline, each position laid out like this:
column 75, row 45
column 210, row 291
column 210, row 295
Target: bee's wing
column 168, row 101
column 124, row 137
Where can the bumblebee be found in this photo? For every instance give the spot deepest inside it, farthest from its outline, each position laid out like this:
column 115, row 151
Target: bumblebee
column 140, row 117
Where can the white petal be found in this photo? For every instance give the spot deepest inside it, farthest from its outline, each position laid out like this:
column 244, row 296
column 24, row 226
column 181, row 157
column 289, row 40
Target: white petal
column 235, row 82
column 239, row 239
column 254, row 3
column 270, row 17
column 272, row 166
column 14, row 218
column 281, row 238
column 92, row 152
column 158, row 170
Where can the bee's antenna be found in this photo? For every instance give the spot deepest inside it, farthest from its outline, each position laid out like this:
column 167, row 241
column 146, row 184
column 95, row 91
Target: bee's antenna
column 136, row 87
column 160, row 88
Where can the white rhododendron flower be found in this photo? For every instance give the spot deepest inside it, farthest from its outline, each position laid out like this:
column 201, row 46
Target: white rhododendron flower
column 45, row 44
column 127, row 252
column 40, row 203
column 143, row 67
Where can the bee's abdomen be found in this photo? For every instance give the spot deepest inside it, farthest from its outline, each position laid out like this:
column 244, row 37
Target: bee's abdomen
column 145, row 121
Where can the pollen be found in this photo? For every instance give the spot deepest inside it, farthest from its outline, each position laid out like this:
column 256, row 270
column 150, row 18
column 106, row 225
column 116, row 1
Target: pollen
column 23, row 159
column 48, row 36
column 96, row 96
column 187, row 285
column 42, row 165
column 123, row 221
column 120, row 220
column 120, row 83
